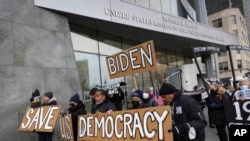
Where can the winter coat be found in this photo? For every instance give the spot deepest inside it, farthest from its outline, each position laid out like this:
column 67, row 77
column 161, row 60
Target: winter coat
column 149, row 103
column 116, row 99
column 52, row 101
column 104, row 107
column 217, row 111
column 187, row 111
column 75, row 111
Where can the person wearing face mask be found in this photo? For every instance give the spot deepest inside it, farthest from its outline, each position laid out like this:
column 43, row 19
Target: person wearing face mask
column 136, row 99
column 188, row 119
column 76, row 108
column 147, row 101
column 102, row 103
column 243, row 85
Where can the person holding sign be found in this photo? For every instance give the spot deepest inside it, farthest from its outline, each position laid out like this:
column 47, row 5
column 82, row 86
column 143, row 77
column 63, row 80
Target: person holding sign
column 136, row 99
column 102, row 103
column 76, row 108
column 49, row 99
column 188, row 119
column 217, row 112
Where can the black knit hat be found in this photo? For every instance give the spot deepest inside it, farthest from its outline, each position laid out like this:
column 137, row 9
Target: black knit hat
column 49, row 95
column 167, row 89
column 75, row 98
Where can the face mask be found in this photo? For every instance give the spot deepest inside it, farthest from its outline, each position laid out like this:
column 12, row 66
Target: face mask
column 145, row 95
column 243, row 87
column 135, row 104
column 71, row 105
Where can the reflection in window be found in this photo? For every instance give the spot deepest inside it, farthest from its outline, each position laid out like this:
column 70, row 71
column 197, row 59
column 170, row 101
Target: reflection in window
column 239, row 64
column 233, row 19
column 109, row 44
column 84, row 39
column 223, row 66
column 105, row 74
column 222, row 53
column 235, row 32
column 155, row 5
column 144, row 3
column 89, row 72
column 217, row 23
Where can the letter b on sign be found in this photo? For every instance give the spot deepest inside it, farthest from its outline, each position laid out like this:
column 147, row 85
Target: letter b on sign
column 240, row 132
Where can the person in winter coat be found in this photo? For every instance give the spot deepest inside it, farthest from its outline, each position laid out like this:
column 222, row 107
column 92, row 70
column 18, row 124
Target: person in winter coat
column 117, row 99
column 136, row 99
column 76, row 108
column 92, row 96
column 217, row 112
column 49, row 99
column 147, row 101
column 186, row 113
column 102, row 103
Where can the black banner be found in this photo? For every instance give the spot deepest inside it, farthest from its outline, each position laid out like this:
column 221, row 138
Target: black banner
column 206, row 48
column 237, row 112
column 237, row 47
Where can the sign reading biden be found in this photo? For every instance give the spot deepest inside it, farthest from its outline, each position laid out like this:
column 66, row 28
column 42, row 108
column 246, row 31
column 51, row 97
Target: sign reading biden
column 140, row 124
column 137, row 59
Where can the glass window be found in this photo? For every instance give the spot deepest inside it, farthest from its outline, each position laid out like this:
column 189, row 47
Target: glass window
column 105, row 74
column 155, row 5
column 217, row 23
column 108, row 44
column 84, row 39
column 222, row 53
column 166, row 6
column 89, row 72
column 239, row 64
column 223, row 66
column 235, row 32
column 171, row 58
column 126, row 43
column 179, row 60
column 144, row 3
column 233, row 19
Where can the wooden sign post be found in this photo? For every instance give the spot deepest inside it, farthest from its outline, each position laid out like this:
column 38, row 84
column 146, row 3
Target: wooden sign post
column 42, row 119
column 66, row 128
column 140, row 124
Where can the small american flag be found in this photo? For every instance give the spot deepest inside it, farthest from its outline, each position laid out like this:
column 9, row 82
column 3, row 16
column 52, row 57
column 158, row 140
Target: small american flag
column 159, row 100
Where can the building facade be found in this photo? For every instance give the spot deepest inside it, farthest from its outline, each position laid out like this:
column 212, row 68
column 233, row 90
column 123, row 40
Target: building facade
column 61, row 45
column 246, row 7
column 231, row 20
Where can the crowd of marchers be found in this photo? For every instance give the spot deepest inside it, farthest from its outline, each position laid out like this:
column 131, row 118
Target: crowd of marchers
column 188, row 120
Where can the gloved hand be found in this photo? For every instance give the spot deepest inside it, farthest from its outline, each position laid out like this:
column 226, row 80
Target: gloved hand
column 212, row 105
column 178, row 129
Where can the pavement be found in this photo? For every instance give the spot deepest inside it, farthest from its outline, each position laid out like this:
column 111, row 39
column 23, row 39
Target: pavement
column 211, row 133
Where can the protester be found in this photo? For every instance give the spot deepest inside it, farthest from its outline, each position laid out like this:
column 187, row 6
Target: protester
column 217, row 113
column 92, row 96
column 102, row 103
column 147, row 101
column 35, row 99
column 243, row 85
column 49, row 99
column 76, row 108
column 117, row 98
column 188, row 118
column 136, row 99
column 151, row 92
column 213, row 91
